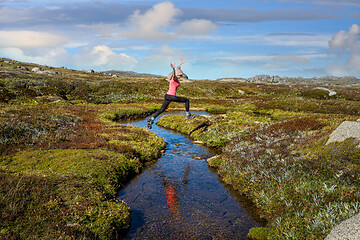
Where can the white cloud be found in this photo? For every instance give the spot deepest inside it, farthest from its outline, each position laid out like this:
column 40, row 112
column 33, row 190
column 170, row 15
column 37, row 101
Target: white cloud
column 297, row 40
column 98, row 57
column 346, row 44
column 286, row 39
column 7, row 15
column 153, row 24
column 292, row 59
column 347, row 40
column 197, row 27
column 101, row 57
column 50, row 56
column 30, row 39
column 160, row 23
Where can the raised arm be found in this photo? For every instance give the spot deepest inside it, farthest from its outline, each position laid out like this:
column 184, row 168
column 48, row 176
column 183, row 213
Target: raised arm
column 173, row 67
column 181, row 62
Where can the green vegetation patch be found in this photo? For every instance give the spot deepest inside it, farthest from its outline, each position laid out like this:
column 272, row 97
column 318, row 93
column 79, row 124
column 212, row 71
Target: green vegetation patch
column 116, row 113
column 302, row 190
column 217, row 130
column 259, row 233
column 340, row 153
column 272, row 137
column 58, row 193
column 215, row 161
column 278, row 159
column 136, row 142
column 103, row 167
column 179, row 123
column 62, row 166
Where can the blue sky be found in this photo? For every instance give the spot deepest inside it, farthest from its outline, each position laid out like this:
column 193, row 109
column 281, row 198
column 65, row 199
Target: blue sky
column 216, row 39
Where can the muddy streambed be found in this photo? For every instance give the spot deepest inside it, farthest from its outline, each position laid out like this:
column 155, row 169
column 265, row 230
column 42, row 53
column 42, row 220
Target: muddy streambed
column 180, row 197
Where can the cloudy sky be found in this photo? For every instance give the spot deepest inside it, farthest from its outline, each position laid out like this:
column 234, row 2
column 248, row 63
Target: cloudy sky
column 229, row 38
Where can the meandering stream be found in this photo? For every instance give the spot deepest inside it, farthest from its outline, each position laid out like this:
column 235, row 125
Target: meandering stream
column 179, row 197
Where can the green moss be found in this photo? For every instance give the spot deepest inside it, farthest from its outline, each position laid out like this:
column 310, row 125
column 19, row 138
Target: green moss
column 346, row 152
column 217, row 130
column 258, row 233
column 104, row 167
column 90, row 179
column 179, row 123
column 124, row 113
column 48, row 207
column 144, row 145
column 215, row 162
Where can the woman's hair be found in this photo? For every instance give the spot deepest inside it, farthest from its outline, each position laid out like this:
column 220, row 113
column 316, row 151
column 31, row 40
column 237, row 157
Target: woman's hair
column 178, row 71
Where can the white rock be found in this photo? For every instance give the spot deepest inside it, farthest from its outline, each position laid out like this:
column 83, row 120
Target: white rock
column 212, row 158
column 331, row 92
column 347, row 129
column 49, row 72
column 349, row 229
column 37, row 69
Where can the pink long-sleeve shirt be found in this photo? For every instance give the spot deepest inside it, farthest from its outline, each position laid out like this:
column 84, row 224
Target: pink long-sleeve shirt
column 173, row 85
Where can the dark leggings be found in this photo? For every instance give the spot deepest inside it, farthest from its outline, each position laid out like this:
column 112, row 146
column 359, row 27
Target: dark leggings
column 172, row 98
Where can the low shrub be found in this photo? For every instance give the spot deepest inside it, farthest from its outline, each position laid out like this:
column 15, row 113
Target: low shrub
column 84, row 159
column 315, row 93
column 345, row 153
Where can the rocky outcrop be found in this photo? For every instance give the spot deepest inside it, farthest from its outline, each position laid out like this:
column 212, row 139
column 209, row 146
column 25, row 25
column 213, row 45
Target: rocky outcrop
column 348, row 129
column 184, row 78
column 331, row 92
column 37, row 69
column 327, row 80
column 349, row 230
column 265, row 78
column 130, row 74
column 42, row 71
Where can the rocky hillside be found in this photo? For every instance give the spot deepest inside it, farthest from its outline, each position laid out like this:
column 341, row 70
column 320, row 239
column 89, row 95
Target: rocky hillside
column 327, row 80
column 9, row 65
column 131, row 74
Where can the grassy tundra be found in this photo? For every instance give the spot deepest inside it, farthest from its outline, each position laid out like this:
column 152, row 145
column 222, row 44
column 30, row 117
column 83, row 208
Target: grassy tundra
column 63, row 156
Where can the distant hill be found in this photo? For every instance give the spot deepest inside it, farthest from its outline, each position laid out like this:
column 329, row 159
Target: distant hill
column 11, row 67
column 131, row 74
column 326, row 80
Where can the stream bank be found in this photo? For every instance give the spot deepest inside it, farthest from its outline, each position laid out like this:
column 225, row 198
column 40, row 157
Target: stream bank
column 180, row 197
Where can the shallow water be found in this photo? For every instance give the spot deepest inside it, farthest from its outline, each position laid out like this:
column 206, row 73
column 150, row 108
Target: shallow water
column 179, row 197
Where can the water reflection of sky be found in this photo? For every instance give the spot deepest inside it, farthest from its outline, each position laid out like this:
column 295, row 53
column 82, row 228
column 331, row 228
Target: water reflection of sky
column 180, row 198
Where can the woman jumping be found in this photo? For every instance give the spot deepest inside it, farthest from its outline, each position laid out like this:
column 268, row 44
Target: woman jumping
column 170, row 96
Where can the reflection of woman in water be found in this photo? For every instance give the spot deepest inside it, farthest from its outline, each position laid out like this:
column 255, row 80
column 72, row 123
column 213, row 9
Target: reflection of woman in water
column 172, row 199
column 170, row 96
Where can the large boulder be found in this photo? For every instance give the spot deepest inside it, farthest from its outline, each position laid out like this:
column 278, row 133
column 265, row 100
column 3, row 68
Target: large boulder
column 37, row 69
column 331, row 92
column 349, row 229
column 347, row 129
column 184, row 78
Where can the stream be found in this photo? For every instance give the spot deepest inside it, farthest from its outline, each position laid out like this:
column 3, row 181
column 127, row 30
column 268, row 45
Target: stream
column 180, row 197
